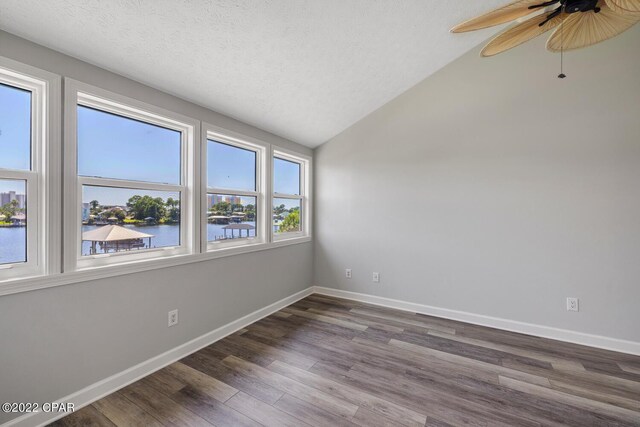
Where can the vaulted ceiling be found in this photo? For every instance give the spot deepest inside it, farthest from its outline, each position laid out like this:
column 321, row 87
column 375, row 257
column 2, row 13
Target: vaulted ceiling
column 301, row 69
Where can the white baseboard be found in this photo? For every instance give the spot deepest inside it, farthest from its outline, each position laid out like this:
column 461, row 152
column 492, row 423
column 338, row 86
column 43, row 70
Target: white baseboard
column 115, row 382
column 575, row 337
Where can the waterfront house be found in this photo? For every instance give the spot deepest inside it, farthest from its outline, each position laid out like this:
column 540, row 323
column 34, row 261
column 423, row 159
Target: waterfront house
column 19, row 219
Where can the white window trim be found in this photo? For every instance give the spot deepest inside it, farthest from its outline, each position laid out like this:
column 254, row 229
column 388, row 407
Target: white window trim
column 304, row 197
column 77, row 93
column 262, row 150
column 42, row 181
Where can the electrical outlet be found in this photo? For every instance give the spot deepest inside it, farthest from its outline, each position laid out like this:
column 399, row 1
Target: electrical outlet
column 173, row 317
column 347, row 273
column 572, row 304
column 376, row 277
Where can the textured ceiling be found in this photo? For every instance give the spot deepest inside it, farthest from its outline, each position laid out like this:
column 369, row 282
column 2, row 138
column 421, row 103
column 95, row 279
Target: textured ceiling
column 301, row 69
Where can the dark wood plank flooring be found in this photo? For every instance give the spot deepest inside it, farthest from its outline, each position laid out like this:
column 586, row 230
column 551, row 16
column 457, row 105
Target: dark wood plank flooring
column 326, row 361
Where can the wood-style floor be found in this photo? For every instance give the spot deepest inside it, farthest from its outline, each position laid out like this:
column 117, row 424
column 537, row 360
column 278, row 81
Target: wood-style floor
column 331, row 362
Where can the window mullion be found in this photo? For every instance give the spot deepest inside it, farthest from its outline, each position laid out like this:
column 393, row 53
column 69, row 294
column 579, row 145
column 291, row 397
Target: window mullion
column 135, row 185
column 17, row 174
column 288, row 196
column 232, row 192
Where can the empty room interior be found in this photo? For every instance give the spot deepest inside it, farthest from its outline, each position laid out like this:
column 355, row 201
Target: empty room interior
column 319, row 213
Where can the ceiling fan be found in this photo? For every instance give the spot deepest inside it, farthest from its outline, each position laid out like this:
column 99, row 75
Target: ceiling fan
column 578, row 23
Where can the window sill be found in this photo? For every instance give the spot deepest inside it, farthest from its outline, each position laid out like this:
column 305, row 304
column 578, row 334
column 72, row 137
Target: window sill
column 284, row 241
column 25, row 284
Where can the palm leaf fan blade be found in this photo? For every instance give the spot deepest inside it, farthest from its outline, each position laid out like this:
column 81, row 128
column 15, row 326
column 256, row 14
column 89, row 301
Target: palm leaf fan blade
column 586, row 29
column 625, row 7
column 507, row 13
column 521, row 33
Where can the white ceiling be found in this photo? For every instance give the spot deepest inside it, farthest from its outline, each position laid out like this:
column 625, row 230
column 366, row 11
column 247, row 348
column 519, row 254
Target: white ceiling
column 302, row 69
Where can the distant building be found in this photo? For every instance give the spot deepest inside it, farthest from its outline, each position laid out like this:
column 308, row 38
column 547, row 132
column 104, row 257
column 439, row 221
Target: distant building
column 5, row 198
column 213, row 199
column 8, row 197
column 113, row 208
column 19, row 219
column 234, row 200
column 86, row 210
column 21, row 201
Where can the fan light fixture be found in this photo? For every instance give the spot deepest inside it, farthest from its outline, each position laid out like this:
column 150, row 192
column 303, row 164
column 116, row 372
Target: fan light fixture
column 577, row 23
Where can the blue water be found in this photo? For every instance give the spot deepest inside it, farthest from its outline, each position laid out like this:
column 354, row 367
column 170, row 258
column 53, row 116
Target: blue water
column 13, row 244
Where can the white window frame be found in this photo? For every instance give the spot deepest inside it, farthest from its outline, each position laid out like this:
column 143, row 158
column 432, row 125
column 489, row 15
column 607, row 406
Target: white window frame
column 42, row 182
column 77, row 93
column 304, row 196
column 261, row 149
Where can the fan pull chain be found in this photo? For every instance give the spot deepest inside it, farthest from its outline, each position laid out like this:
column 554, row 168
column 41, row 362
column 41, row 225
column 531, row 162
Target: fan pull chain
column 562, row 75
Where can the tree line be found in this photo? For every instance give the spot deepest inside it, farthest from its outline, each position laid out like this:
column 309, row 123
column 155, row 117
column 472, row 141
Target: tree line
column 227, row 209
column 139, row 209
column 290, row 218
column 9, row 210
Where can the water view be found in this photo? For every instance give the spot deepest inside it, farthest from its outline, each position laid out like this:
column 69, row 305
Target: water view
column 13, row 244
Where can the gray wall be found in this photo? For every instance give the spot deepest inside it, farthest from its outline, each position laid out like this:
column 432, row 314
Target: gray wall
column 59, row 340
column 494, row 188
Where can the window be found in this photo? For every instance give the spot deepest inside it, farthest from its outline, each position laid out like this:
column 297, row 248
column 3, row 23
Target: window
column 15, row 162
column 133, row 186
column 25, row 95
column 290, row 211
column 235, row 199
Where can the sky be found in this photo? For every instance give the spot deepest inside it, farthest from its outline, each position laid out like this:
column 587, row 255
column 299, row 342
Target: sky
column 16, row 185
column 15, row 132
column 286, row 177
column 112, row 146
column 230, row 167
